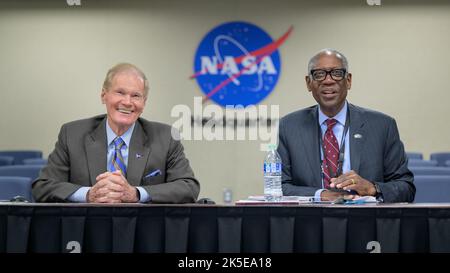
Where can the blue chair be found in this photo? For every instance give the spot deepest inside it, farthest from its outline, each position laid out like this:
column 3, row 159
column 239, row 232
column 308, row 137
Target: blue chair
column 432, row 189
column 35, row 161
column 422, row 163
column 6, row 160
column 414, row 155
column 447, row 163
column 440, row 158
column 30, row 171
column 430, row 170
column 11, row 187
column 20, row 155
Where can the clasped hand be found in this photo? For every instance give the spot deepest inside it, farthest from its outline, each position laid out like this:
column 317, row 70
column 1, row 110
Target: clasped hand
column 349, row 181
column 112, row 187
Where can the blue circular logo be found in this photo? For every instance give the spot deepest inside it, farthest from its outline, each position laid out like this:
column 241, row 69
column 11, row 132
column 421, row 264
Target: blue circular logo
column 237, row 63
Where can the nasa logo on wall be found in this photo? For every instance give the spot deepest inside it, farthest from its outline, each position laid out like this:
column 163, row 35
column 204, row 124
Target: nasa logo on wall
column 238, row 63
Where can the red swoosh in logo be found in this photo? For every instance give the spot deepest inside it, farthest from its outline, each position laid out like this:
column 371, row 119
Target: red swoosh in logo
column 259, row 53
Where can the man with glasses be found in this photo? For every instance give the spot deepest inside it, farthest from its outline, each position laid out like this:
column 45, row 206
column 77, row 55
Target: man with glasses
column 339, row 150
column 118, row 157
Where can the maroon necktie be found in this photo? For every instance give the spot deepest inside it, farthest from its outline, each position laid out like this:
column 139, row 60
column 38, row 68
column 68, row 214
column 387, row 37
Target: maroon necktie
column 330, row 153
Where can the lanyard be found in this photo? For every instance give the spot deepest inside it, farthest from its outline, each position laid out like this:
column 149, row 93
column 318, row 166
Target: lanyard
column 341, row 148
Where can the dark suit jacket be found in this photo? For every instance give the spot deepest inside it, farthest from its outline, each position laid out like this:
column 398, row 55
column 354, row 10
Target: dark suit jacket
column 80, row 155
column 377, row 154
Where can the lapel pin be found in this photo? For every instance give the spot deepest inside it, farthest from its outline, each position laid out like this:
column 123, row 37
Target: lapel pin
column 357, row 136
column 138, row 155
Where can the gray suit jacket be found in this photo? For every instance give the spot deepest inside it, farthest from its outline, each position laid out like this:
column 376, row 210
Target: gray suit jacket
column 80, row 155
column 378, row 155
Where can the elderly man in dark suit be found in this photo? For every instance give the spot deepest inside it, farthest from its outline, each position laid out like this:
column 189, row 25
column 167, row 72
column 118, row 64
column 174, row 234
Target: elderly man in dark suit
column 336, row 149
column 118, row 157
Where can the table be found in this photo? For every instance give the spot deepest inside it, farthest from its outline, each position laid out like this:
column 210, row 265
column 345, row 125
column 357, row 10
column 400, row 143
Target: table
column 196, row 228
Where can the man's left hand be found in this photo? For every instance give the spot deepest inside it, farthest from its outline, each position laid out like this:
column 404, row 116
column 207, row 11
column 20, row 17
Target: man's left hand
column 352, row 181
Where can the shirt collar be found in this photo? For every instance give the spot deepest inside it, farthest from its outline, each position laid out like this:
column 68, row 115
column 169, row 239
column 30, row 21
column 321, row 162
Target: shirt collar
column 126, row 137
column 340, row 117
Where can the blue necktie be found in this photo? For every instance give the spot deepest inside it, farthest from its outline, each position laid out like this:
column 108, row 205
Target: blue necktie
column 117, row 162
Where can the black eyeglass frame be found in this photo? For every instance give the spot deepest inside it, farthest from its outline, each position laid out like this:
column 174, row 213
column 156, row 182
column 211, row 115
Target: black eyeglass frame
column 328, row 72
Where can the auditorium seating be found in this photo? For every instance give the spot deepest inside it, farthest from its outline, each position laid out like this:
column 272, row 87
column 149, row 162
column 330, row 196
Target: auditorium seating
column 432, row 188
column 414, row 155
column 13, row 188
column 35, row 161
column 422, row 163
column 430, row 170
column 440, row 157
column 30, row 171
column 6, row 160
column 20, row 155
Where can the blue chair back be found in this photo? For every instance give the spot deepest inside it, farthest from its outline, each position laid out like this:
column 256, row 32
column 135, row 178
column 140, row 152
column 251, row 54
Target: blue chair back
column 430, row 170
column 31, row 171
column 432, row 188
column 35, row 161
column 20, row 155
column 12, row 186
column 414, row 155
column 422, row 163
column 440, row 158
column 6, row 160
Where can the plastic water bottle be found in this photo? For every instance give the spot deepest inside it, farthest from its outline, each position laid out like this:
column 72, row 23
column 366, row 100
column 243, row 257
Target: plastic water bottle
column 272, row 175
column 227, row 196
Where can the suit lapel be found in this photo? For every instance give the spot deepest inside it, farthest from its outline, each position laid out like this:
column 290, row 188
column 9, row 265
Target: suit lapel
column 357, row 136
column 310, row 137
column 137, row 155
column 96, row 149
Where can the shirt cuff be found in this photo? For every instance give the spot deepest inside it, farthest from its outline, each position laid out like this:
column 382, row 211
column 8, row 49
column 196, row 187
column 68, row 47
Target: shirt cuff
column 80, row 196
column 317, row 194
column 145, row 197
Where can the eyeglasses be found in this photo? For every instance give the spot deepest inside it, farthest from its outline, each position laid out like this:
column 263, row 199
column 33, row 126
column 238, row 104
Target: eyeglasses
column 336, row 74
column 134, row 96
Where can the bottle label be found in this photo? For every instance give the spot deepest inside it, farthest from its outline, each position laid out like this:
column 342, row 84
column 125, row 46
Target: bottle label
column 277, row 167
column 272, row 167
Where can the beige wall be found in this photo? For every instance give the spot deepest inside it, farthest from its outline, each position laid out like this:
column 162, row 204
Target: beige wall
column 53, row 59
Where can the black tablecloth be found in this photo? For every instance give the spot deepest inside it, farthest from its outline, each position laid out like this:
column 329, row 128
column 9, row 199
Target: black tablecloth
column 223, row 229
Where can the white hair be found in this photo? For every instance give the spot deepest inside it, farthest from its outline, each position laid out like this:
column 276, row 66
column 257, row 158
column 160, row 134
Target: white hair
column 327, row 51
